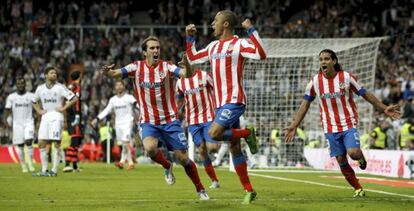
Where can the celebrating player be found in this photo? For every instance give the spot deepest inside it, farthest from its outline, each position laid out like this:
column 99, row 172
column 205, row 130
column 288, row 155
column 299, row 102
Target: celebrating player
column 196, row 91
column 19, row 105
column 153, row 81
column 51, row 94
column 227, row 56
column 122, row 104
column 73, row 118
column 335, row 88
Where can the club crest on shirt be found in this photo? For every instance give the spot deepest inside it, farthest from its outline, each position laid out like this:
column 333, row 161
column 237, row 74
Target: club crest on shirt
column 161, row 74
column 342, row 85
column 231, row 46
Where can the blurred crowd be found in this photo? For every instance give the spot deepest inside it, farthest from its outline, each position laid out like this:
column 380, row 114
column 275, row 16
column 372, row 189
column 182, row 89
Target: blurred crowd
column 32, row 38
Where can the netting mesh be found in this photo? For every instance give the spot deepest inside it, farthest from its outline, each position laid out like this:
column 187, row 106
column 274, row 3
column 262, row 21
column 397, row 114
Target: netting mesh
column 275, row 87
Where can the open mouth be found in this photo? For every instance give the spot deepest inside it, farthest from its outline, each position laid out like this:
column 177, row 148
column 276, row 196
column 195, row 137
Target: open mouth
column 155, row 57
column 324, row 67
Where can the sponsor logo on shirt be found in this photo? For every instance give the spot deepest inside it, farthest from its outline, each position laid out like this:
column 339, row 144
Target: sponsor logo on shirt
column 120, row 107
column 332, row 95
column 220, row 55
column 17, row 105
column 151, row 85
column 192, row 91
column 51, row 100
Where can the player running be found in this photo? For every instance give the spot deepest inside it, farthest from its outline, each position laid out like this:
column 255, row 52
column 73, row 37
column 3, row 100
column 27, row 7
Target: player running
column 122, row 104
column 153, row 81
column 51, row 95
column 334, row 88
column 227, row 56
column 196, row 92
column 19, row 104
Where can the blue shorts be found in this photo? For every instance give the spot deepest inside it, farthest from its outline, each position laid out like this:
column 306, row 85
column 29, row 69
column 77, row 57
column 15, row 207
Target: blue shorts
column 228, row 115
column 200, row 133
column 171, row 134
column 340, row 142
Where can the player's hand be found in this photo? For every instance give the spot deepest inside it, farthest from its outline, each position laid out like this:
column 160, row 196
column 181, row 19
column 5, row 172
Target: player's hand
column 190, row 30
column 106, row 68
column 41, row 112
column 393, row 111
column 246, row 24
column 290, row 133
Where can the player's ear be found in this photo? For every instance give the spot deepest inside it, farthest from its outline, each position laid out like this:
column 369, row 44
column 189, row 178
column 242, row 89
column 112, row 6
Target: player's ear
column 226, row 24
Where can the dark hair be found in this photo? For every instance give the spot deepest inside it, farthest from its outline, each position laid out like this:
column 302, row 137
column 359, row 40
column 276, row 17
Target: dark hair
column 144, row 43
column 337, row 66
column 75, row 75
column 230, row 17
column 48, row 69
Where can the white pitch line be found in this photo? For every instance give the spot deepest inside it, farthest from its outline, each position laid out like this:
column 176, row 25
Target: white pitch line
column 293, row 171
column 328, row 185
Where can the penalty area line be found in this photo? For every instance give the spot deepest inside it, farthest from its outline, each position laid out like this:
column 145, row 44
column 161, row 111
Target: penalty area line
column 327, row 185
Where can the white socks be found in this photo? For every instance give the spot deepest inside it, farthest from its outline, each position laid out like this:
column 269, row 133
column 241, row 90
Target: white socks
column 128, row 157
column 30, row 153
column 124, row 152
column 44, row 158
column 56, row 159
column 20, row 152
column 220, row 154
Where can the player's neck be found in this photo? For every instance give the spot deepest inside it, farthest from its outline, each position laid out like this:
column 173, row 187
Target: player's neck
column 21, row 92
column 50, row 84
column 227, row 34
column 120, row 94
column 330, row 74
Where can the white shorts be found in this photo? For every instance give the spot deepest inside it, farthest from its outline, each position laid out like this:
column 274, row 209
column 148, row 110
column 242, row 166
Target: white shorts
column 22, row 132
column 123, row 132
column 50, row 129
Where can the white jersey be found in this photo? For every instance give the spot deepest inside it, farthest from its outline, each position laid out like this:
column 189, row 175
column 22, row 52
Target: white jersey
column 123, row 108
column 52, row 98
column 21, row 107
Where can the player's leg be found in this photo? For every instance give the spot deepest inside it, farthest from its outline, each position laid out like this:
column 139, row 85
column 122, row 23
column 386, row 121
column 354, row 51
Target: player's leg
column 75, row 144
column 207, row 146
column 127, row 143
column 225, row 117
column 18, row 141
column 56, row 157
column 29, row 145
column 120, row 136
column 240, row 165
column 20, row 152
column 351, row 141
column 43, row 136
column 338, row 150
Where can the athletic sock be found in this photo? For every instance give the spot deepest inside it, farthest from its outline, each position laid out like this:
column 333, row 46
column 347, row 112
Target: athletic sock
column 20, row 152
column 208, row 167
column 235, row 134
column 192, row 173
column 30, row 154
column 44, row 158
column 124, row 153
column 160, row 159
column 56, row 159
column 240, row 166
column 129, row 156
column 349, row 175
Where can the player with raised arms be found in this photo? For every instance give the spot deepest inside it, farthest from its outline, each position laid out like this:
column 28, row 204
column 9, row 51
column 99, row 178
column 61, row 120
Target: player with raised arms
column 153, row 80
column 227, row 56
column 335, row 89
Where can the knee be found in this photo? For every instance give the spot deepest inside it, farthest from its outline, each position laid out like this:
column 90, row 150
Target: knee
column 213, row 148
column 355, row 154
column 341, row 159
column 182, row 157
column 151, row 150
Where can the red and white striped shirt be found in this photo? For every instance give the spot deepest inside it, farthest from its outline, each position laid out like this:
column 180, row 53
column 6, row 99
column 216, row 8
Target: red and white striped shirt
column 227, row 59
column 154, row 90
column 197, row 90
column 338, row 110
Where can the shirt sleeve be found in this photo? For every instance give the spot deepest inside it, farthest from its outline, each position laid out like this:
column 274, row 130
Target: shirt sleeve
column 8, row 102
column 253, row 49
column 106, row 111
column 66, row 93
column 174, row 69
column 356, row 87
column 36, row 96
column 129, row 70
column 310, row 93
column 194, row 56
column 210, row 81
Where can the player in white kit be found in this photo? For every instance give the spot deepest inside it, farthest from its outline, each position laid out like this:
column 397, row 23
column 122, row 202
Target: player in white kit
column 122, row 104
column 19, row 104
column 52, row 96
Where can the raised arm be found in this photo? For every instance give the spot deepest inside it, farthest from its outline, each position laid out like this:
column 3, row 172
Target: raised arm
column 255, row 49
column 108, row 71
column 194, row 56
column 290, row 131
column 391, row 111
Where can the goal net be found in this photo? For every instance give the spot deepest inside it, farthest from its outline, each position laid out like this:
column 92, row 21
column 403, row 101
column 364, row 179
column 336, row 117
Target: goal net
column 275, row 88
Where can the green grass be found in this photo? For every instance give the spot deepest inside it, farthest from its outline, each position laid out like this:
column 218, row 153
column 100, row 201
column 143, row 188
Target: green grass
column 103, row 187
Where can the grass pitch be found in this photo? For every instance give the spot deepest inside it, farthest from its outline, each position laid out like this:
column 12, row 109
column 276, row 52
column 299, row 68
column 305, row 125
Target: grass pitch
column 103, row 187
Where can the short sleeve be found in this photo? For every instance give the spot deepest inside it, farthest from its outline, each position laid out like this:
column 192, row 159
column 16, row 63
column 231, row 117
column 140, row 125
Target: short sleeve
column 129, row 70
column 180, row 93
column 356, row 87
column 66, row 93
column 172, row 68
column 310, row 93
column 36, row 96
